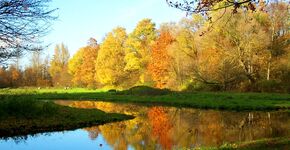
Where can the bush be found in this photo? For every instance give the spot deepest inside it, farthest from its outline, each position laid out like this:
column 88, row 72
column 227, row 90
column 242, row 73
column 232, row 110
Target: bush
column 268, row 86
column 198, row 86
column 145, row 90
column 112, row 91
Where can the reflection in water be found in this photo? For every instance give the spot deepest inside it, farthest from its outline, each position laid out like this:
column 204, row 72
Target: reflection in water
column 171, row 128
column 161, row 126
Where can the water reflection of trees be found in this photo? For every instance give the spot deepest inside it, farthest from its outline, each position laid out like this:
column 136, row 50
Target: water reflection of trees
column 161, row 126
column 169, row 128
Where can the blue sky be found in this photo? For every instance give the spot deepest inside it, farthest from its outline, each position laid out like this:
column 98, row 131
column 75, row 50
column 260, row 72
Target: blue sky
column 81, row 19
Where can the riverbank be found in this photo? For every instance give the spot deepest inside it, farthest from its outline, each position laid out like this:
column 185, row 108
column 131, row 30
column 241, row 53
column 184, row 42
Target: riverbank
column 29, row 111
column 21, row 116
column 203, row 100
column 265, row 144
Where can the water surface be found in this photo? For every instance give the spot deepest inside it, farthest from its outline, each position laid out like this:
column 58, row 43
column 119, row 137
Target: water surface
column 160, row 128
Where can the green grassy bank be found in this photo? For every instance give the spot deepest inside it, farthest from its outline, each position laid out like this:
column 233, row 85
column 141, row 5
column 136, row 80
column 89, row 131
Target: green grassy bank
column 21, row 116
column 144, row 96
column 262, row 144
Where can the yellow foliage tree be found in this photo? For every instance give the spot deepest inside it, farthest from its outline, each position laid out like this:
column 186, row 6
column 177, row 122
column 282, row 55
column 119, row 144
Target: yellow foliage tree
column 58, row 66
column 82, row 66
column 110, row 62
column 138, row 48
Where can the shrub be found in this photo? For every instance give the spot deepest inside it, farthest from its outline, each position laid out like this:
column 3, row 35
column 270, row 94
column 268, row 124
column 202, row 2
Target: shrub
column 145, row 90
column 112, row 91
column 198, row 86
column 268, row 86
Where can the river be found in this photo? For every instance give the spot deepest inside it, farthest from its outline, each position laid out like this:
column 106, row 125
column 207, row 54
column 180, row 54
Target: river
column 158, row 127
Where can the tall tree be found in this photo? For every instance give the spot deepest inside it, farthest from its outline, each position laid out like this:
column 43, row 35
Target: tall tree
column 82, row 65
column 139, row 47
column 36, row 64
column 74, row 67
column 88, row 67
column 185, row 49
column 58, row 66
column 22, row 23
column 277, row 20
column 14, row 76
column 40, row 69
column 160, row 64
column 239, row 44
column 110, row 62
column 4, row 80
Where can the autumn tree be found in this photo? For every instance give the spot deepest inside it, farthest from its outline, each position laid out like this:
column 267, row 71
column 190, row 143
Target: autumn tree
column 110, row 63
column 276, row 20
column 184, row 49
column 82, row 65
column 22, row 23
column 74, row 67
column 36, row 66
column 4, row 80
column 160, row 63
column 15, row 76
column 237, row 47
column 58, row 66
column 88, row 67
column 40, row 69
column 139, row 47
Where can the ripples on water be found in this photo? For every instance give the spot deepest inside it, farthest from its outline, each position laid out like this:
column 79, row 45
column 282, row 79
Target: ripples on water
column 161, row 128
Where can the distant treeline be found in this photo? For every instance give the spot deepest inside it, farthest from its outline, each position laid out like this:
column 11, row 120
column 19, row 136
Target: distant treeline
column 245, row 51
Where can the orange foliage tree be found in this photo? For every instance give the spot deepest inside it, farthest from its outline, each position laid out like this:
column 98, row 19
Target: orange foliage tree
column 159, row 66
column 88, row 70
column 82, row 66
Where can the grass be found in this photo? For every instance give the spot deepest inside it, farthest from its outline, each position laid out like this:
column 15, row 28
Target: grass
column 203, row 100
column 264, row 144
column 21, row 116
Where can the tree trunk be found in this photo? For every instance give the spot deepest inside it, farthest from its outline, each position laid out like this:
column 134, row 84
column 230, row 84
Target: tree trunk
column 268, row 70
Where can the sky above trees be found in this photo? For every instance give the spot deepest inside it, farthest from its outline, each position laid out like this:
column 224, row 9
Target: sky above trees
column 80, row 20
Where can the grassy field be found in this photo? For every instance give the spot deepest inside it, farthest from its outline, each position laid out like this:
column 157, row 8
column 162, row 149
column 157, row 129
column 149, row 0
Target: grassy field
column 204, row 100
column 21, row 116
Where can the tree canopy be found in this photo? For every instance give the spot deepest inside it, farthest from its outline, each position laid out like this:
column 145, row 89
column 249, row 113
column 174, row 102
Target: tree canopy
column 247, row 52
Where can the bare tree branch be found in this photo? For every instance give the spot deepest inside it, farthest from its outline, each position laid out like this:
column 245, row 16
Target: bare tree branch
column 22, row 24
column 204, row 6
